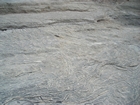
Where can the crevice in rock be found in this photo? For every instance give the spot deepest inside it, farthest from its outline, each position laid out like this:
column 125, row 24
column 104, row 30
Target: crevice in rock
column 37, row 25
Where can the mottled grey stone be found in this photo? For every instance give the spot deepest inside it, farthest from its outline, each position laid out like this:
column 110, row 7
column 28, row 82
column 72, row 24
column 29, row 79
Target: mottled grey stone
column 69, row 52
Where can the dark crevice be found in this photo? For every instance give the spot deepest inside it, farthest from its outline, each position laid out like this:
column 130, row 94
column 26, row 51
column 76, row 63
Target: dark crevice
column 36, row 25
column 58, row 101
column 3, row 29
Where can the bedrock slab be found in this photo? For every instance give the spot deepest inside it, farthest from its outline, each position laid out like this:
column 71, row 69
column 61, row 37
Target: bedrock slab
column 65, row 57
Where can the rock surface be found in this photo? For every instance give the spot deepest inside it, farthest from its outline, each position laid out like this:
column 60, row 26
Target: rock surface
column 69, row 52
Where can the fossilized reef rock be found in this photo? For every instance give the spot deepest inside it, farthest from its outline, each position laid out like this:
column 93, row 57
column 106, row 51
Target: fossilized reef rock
column 68, row 52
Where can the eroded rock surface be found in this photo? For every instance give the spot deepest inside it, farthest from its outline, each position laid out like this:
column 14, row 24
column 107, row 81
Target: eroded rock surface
column 69, row 52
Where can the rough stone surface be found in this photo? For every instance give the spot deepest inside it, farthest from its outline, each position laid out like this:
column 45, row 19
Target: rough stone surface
column 69, row 52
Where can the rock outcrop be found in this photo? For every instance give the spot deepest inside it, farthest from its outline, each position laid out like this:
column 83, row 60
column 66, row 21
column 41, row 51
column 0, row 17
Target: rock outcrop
column 69, row 52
